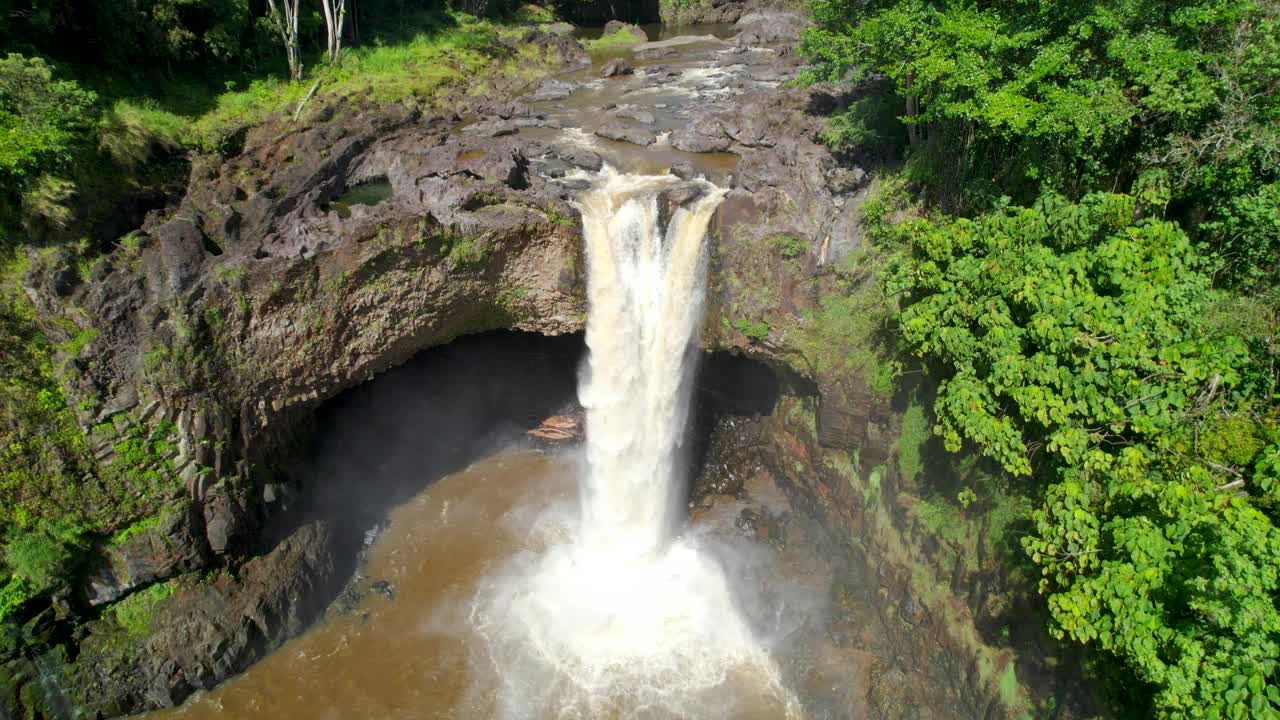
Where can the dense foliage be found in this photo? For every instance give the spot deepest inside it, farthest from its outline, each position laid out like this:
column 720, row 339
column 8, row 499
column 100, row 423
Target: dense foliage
column 1075, row 346
column 1012, row 98
column 101, row 104
column 1121, row 350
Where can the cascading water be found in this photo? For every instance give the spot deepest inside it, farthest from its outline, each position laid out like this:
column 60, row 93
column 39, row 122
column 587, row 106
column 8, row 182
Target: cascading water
column 619, row 616
column 645, row 285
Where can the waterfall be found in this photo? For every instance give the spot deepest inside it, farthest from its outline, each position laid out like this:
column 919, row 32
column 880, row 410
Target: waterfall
column 645, row 287
column 616, row 615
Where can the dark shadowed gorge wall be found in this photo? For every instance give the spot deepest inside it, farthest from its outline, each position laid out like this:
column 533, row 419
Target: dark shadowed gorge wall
column 597, row 12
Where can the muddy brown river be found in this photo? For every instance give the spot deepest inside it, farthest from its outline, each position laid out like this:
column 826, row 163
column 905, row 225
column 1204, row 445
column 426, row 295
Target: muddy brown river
column 406, row 649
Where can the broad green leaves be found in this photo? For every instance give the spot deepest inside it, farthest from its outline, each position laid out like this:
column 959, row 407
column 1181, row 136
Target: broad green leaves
column 1073, row 346
column 39, row 117
column 1180, row 582
column 1066, row 325
column 1010, row 99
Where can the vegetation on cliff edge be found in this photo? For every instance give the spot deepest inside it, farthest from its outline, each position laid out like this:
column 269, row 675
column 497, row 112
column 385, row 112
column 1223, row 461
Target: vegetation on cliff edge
column 1120, row 350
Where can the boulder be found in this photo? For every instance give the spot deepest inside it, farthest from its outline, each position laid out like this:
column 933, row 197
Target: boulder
column 769, row 27
column 631, row 112
column 702, row 11
column 558, row 39
column 616, row 68
column 627, row 133
column 227, row 521
column 677, row 197
column 577, row 156
column 704, row 134
column 181, row 243
column 492, row 128
column 683, row 170
column 553, row 90
column 654, row 53
column 613, row 27
column 172, row 546
column 562, row 29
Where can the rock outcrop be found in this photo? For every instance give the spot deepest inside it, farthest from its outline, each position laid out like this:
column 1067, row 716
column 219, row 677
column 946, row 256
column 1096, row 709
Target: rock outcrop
column 616, row 67
column 208, row 632
column 702, row 11
column 176, row 544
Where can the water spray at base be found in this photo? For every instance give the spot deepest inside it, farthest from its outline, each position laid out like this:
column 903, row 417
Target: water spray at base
column 613, row 614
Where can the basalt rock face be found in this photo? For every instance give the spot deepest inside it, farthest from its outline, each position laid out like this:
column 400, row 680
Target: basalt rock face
column 175, row 545
column 269, row 289
column 207, row 632
column 265, row 293
column 702, row 11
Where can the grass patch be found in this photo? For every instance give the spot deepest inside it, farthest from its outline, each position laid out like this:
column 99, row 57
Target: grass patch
column 134, row 613
column 45, row 553
column 466, row 253
column 757, row 331
column 910, row 445
column 843, row 336
column 13, row 595
column 425, row 51
column 802, row 414
column 943, row 519
column 557, row 217
column 79, row 342
column 132, row 132
column 789, row 246
column 125, row 534
column 621, row 38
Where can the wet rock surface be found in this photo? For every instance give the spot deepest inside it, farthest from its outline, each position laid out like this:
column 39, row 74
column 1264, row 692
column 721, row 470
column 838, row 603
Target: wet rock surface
column 209, row 631
column 845, row 651
column 616, row 67
column 627, row 133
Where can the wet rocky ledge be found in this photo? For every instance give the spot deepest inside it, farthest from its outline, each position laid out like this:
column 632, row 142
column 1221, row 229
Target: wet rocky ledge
column 314, row 257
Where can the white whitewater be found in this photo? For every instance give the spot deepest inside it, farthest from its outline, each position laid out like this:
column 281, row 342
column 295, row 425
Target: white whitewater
column 620, row 617
column 645, row 287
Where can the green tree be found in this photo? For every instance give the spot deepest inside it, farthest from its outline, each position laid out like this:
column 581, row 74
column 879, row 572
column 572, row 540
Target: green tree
column 1075, row 344
column 40, row 118
column 1011, row 99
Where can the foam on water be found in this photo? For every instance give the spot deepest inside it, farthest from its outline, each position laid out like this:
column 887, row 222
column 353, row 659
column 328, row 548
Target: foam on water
column 616, row 615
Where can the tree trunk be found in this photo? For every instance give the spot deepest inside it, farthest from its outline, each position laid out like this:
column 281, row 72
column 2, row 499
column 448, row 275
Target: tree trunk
column 285, row 24
column 355, row 22
column 913, row 111
column 335, row 12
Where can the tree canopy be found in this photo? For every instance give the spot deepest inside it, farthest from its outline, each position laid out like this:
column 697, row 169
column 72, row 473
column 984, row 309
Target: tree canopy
column 1013, row 98
column 1074, row 344
column 1118, row 349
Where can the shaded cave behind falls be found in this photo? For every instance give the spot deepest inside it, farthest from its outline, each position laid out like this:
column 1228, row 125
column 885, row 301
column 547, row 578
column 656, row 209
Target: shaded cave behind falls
column 376, row 446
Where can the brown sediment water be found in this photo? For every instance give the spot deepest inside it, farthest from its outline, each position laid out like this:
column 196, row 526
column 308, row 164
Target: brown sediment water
column 405, row 655
column 409, row 653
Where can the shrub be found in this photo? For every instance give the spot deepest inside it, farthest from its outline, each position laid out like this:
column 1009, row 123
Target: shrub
column 13, row 595
column 47, row 554
column 40, row 117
